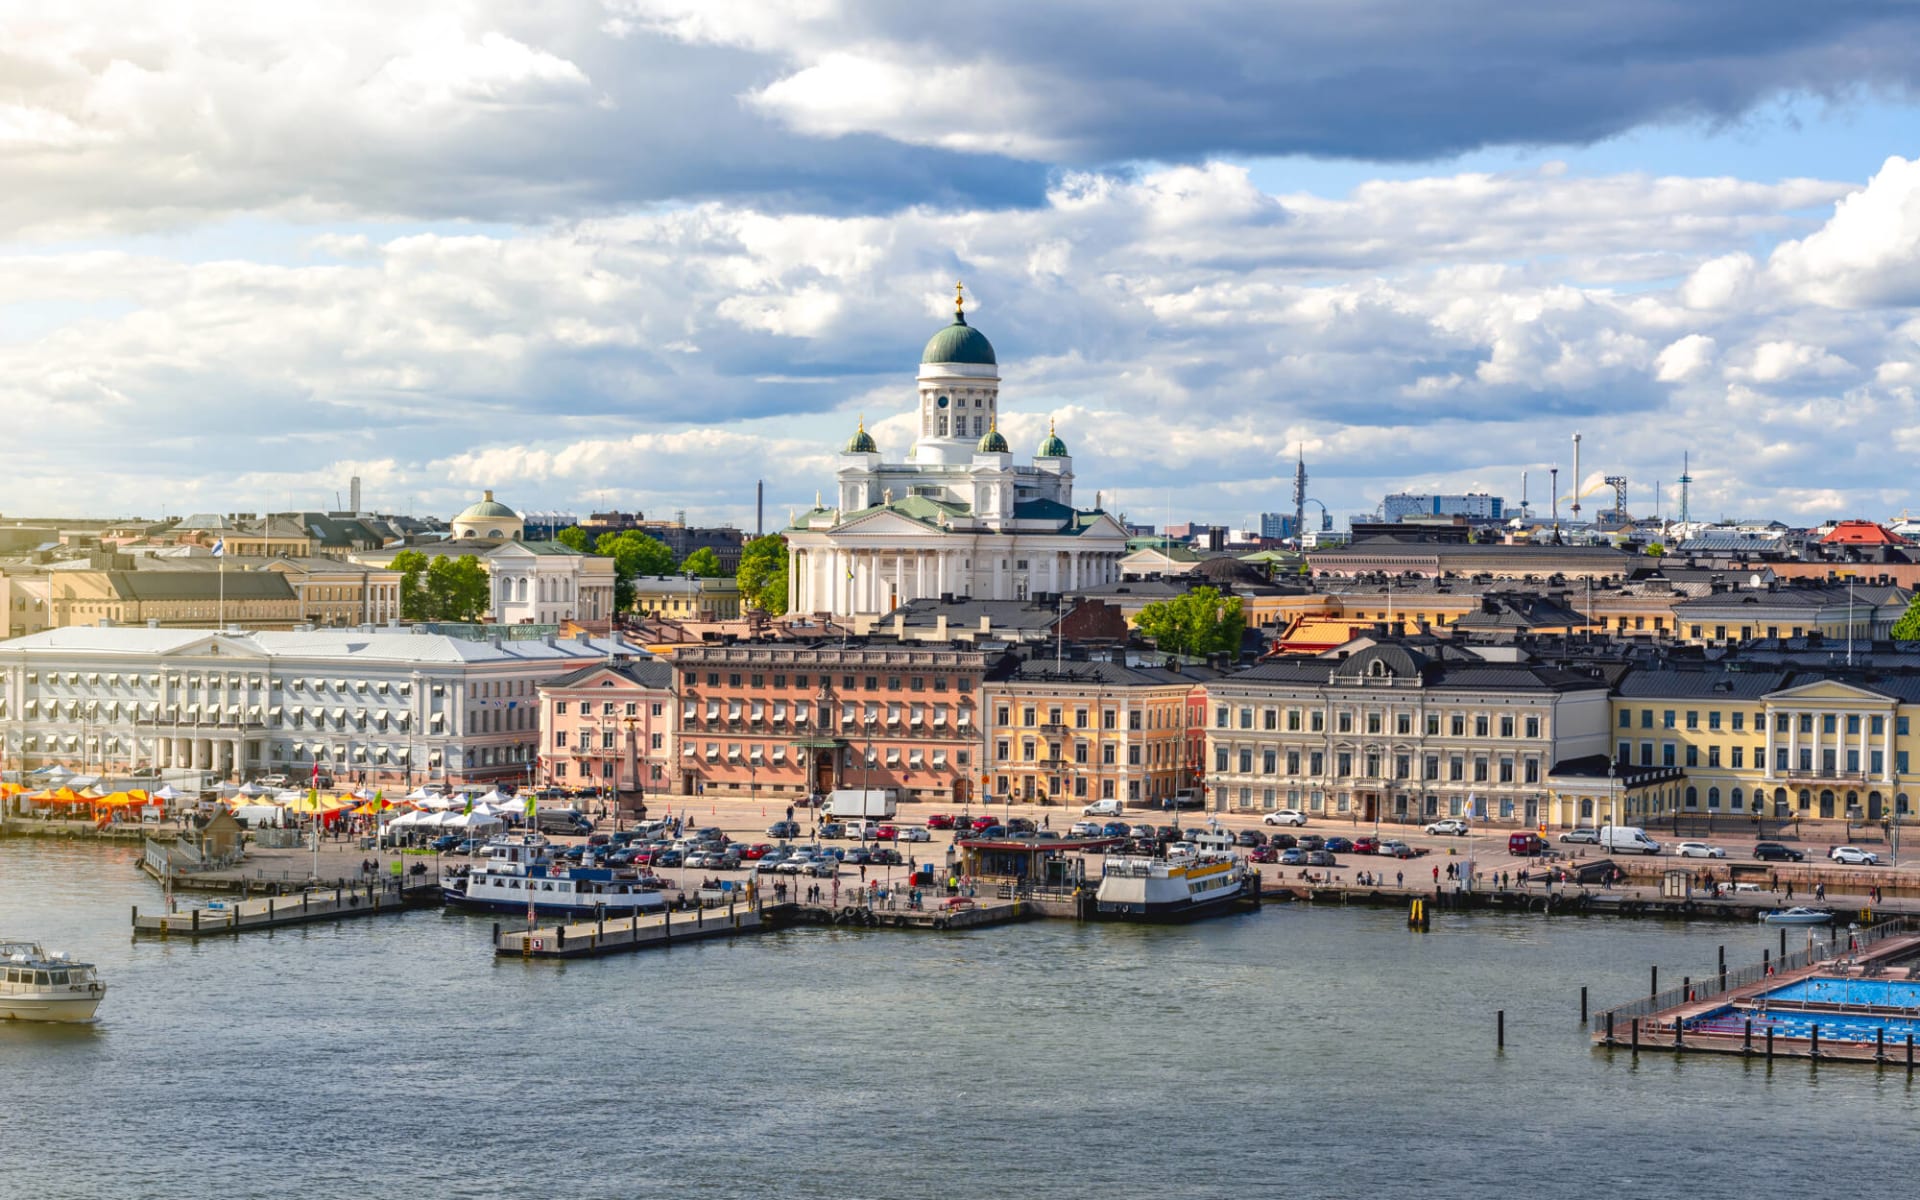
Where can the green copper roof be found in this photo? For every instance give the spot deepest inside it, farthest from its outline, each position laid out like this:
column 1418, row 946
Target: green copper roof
column 959, row 343
column 862, row 442
column 1053, row 447
column 993, row 442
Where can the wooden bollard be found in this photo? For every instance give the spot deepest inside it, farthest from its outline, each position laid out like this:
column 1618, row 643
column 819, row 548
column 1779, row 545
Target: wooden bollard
column 1583, row 1005
column 1609, row 1027
column 1769, row 1043
column 1679, row 1031
column 1880, row 1044
column 136, row 916
column 1746, row 1043
column 1653, row 989
column 1783, row 942
column 666, row 926
column 1909, row 1055
column 496, row 935
column 1500, row 1029
column 196, row 920
column 1723, row 968
column 1636, row 1035
column 1814, row 1052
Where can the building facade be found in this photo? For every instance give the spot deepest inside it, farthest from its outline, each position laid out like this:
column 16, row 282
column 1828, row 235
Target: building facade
column 784, row 721
column 380, row 706
column 1394, row 733
column 1074, row 732
column 609, row 727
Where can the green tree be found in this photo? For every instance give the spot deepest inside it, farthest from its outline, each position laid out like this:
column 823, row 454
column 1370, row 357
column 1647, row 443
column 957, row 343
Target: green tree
column 457, row 588
column 1907, row 628
column 1200, row 622
column 412, row 566
column 575, row 538
column 763, row 574
column 633, row 554
column 1655, row 550
column 702, row 562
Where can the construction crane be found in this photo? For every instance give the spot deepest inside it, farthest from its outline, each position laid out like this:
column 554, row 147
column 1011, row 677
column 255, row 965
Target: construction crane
column 1619, row 514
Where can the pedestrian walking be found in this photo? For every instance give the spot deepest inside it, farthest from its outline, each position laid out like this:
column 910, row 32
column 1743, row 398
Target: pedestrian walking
column 1436, row 874
column 1399, row 879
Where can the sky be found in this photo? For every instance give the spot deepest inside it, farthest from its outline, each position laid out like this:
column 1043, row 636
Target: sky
column 640, row 254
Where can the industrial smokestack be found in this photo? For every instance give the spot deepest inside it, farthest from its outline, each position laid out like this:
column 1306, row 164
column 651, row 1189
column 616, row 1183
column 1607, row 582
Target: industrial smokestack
column 353, row 494
column 760, row 508
column 1576, row 477
column 1553, row 486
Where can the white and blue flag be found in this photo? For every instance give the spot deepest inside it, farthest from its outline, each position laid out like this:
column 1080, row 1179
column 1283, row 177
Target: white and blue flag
column 219, row 547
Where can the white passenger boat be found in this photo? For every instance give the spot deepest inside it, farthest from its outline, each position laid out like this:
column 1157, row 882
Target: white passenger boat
column 1180, row 886
column 519, row 871
column 37, row 986
column 1797, row 916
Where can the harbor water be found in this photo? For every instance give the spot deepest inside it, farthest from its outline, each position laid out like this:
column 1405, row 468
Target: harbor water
column 1298, row 1051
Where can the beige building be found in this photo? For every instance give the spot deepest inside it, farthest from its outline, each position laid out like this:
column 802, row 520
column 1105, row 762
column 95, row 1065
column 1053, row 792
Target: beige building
column 677, row 598
column 247, row 599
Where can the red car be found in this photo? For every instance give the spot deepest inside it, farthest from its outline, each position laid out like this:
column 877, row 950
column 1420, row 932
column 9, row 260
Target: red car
column 1366, row 845
column 939, row 821
column 757, row 850
column 983, row 823
column 886, row 833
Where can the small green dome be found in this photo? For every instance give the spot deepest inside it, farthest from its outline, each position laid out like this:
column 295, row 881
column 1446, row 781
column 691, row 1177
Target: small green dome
column 862, row 442
column 959, row 343
column 993, row 442
column 1053, row 447
column 487, row 509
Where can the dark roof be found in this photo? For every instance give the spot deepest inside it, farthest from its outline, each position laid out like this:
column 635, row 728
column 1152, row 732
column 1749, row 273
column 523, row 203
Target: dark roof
column 199, row 585
column 645, row 672
column 1599, row 766
column 1104, row 673
column 1450, row 668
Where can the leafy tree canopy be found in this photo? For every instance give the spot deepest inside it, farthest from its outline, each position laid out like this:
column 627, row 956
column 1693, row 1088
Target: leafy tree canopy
column 763, row 574
column 1198, row 623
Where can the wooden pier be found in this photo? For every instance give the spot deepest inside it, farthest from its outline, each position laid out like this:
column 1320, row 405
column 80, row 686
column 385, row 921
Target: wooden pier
column 973, row 914
column 232, row 918
column 619, row 935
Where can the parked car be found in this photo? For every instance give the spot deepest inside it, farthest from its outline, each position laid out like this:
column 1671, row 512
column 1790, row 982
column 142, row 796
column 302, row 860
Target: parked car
column 1853, row 856
column 886, row 833
column 1396, row 849
column 857, row 856
column 1775, row 852
column 1250, row 837
column 833, row 829
column 1292, row 856
column 1339, row 845
column 1114, row 829
column 1320, row 858
column 1263, row 854
column 1182, row 800
column 1021, row 825
column 979, row 824
column 913, row 833
column 991, row 831
column 446, row 842
column 668, row 858
column 1698, row 850
column 1581, row 833
column 757, row 850
column 939, row 821
column 1144, row 832
column 887, row 856
column 1312, row 841
column 1283, row 841
column 1284, row 816
column 1451, row 826
column 1366, row 845
column 1087, row 829
column 784, row 829
column 600, row 839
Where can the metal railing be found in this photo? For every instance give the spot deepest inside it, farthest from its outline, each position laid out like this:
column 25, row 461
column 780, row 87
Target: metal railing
column 1712, row 984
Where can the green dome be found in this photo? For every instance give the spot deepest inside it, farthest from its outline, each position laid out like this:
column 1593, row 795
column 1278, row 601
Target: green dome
column 862, row 442
column 1053, row 447
column 993, row 443
column 486, row 509
column 959, row 343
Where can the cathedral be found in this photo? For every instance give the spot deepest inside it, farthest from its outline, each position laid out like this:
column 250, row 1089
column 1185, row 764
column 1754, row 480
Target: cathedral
column 957, row 518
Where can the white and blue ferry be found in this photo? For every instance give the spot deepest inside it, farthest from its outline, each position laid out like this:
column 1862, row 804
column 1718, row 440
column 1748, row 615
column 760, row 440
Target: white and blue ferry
column 519, row 872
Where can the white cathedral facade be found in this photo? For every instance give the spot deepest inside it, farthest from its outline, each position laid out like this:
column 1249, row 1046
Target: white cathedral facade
column 957, row 518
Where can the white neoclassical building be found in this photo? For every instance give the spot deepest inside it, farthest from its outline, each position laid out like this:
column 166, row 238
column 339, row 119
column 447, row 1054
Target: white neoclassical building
column 957, row 518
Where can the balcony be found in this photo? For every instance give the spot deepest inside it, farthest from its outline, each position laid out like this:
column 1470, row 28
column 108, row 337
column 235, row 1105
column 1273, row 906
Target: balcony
column 1857, row 778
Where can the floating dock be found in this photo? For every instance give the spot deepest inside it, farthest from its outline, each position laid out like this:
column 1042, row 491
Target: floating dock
column 619, row 935
column 233, row 917
column 973, row 914
column 1818, row 1004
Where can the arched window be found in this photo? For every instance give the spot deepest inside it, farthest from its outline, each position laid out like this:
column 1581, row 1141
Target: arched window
column 1693, row 796
column 1713, row 797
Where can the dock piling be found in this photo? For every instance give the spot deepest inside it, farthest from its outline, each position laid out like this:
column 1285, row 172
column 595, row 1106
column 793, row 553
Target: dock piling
column 1653, row 989
column 1746, row 1042
column 1880, row 1045
column 136, row 916
column 196, row 920
column 1636, row 1035
column 1783, row 941
column 1723, row 968
column 1583, row 1005
column 1814, row 1052
column 1909, row 1056
column 1500, row 1027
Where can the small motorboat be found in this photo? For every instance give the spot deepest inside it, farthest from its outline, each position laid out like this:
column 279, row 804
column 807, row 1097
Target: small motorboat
column 38, row 986
column 1796, row 916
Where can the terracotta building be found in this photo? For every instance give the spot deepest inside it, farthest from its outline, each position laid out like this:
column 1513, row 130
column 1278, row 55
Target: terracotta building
column 784, row 721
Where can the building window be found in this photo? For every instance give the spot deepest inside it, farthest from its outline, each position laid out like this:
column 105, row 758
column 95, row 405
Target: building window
column 1533, row 727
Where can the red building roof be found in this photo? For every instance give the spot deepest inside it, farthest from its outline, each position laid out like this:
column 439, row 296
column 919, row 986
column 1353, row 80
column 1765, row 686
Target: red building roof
column 1861, row 533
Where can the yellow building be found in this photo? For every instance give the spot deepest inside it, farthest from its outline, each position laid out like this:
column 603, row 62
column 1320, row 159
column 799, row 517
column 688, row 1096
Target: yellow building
column 678, row 598
column 189, row 598
column 1084, row 731
column 1825, row 744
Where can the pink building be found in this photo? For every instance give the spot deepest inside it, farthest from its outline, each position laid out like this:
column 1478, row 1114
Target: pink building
column 609, row 727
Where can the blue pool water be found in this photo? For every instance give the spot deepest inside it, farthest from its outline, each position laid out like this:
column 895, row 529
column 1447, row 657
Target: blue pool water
column 1879, row 993
column 1833, row 1027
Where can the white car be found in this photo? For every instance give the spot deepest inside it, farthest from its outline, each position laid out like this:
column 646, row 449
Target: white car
column 1452, row 825
column 914, row 833
column 1698, row 850
column 1086, row 829
column 1853, row 856
column 1284, row 816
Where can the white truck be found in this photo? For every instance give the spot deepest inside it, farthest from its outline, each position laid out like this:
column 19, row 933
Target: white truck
column 861, row 804
column 1627, row 839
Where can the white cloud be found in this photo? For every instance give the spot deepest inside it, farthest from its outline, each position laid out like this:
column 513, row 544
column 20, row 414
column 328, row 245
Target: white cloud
column 1868, row 254
column 1718, row 282
column 1778, row 361
column 1684, row 359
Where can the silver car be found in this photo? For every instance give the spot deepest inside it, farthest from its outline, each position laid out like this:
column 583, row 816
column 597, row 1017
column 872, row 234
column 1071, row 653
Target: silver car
column 1698, row 850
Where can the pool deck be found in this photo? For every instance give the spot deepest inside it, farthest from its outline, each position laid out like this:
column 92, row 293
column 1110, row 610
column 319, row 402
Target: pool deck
column 1666, row 1028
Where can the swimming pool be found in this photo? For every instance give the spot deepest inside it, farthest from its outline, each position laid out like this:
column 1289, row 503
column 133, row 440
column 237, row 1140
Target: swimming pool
column 1876, row 993
column 1732, row 1022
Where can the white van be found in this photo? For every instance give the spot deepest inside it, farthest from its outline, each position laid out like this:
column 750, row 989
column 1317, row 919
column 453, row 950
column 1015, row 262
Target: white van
column 1103, row 808
column 1627, row 839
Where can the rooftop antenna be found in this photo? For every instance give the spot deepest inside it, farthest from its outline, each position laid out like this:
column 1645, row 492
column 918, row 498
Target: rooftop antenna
column 1523, row 493
column 1576, row 477
column 1553, row 483
column 1685, row 480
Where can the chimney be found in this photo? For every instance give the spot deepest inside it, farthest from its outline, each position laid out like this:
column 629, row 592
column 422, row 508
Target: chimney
column 940, row 628
column 986, row 623
column 900, row 625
